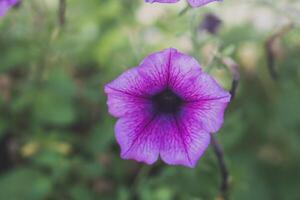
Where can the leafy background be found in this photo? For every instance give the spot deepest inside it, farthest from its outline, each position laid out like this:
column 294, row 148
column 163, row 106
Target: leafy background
column 57, row 139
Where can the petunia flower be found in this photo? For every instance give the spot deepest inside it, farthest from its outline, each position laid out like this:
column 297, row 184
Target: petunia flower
column 5, row 5
column 193, row 3
column 211, row 23
column 167, row 107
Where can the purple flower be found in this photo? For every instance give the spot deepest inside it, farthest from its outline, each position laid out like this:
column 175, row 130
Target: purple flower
column 167, row 107
column 193, row 3
column 5, row 5
column 211, row 23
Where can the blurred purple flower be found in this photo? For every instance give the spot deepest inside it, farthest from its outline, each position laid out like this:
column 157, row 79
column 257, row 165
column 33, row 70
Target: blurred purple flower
column 193, row 3
column 5, row 5
column 211, row 23
column 167, row 107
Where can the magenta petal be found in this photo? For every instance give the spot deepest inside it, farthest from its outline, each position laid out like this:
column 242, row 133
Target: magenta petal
column 167, row 67
column 143, row 137
column 184, row 141
column 199, row 86
column 198, row 3
column 3, row 8
column 5, row 5
column 181, row 68
column 128, row 93
column 139, row 137
column 155, row 67
column 120, row 104
column 161, row 1
column 206, row 100
column 188, row 81
column 210, row 114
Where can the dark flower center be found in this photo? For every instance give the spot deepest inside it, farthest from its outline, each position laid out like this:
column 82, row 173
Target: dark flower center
column 167, row 101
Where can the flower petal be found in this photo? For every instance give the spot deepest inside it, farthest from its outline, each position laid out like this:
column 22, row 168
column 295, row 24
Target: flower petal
column 5, row 5
column 209, row 113
column 199, row 86
column 178, row 141
column 184, row 142
column 182, row 67
column 155, row 67
column 139, row 137
column 198, row 3
column 161, row 1
column 205, row 100
column 128, row 93
column 164, row 68
column 3, row 8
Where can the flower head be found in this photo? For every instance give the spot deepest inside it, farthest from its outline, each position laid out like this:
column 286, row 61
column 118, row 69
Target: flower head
column 193, row 3
column 5, row 5
column 211, row 23
column 167, row 107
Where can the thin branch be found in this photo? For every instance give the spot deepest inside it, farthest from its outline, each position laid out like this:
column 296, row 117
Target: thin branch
column 184, row 10
column 224, row 186
column 141, row 176
column 234, row 71
column 62, row 12
column 271, row 50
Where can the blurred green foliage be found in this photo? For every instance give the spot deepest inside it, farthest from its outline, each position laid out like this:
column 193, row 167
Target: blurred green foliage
column 57, row 139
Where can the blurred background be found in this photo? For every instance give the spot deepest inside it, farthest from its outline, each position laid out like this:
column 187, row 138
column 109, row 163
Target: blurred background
column 57, row 139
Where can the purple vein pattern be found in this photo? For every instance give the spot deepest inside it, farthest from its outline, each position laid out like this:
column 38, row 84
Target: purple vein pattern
column 5, row 5
column 166, row 107
column 193, row 3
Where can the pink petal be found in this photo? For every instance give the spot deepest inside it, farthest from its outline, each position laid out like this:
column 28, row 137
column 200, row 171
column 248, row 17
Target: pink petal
column 184, row 141
column 179, row 141
column 139, row 137
column 128, row 93
column 205, row 98
column 199, row 86
column 166, row 67
column 3, row 8
column 5, row 5
column 209, row 113
column 182, row 67
column 155, row 67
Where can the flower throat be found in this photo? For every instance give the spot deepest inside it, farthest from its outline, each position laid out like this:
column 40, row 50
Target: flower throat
column 167, row 101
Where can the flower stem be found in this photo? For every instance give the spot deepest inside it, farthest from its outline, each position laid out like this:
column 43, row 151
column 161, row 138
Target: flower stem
column 224, row 186
column 138, row 180
column 62, row 12
column 233, row 67
column 183, row 11
column 270, row 47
